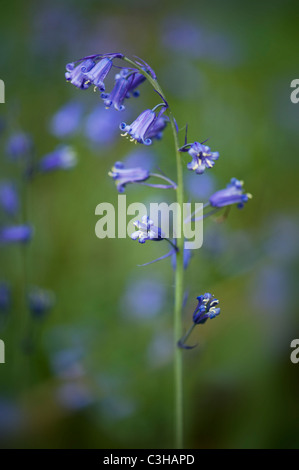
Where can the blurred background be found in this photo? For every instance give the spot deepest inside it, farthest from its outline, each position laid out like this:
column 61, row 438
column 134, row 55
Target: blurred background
column 88, row 334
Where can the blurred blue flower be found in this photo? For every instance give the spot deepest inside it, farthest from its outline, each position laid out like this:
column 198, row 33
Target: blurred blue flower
column 5, row 297
column 232, row 194
column 66, row 120
column 40, row 301
column 63, row 158
column 74, row 396
column 123, row 176
column 140, row 156
column 202, row 157
column 16, row 233
column 143, row 299
column 19, row 146
column 101, row 126
column 9, row 199
column 186, row 37
column 67, row 363
column 146, row 230
column 199, row 188
column 206, row 308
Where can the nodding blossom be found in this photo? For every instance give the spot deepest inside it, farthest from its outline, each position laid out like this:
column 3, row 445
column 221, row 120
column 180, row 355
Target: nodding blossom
column 232, row 194
column 91, row 70
column 123, row 176
column 146, row 230
column 147, row 125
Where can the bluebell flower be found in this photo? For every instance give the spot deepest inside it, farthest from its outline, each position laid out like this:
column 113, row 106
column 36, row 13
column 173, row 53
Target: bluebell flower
column 90, row 70
column 16, row 234
column 232, row 194
column 146, row 230
column 75, row 75
column 123, row 176
column 66, row 120
column 63, row 158
column 118, row 93
column 40, row 301
column 5, row 297
column 9, row 199
column 138, row 78
column 206, row 308
column 98, row 72
column 202, row 157
column 19, row 146
column 147, row 126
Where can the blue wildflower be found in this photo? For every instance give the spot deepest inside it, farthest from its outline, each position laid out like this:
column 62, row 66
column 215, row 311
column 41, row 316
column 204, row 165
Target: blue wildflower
column 19, row 146
column 206, row 308
column 202, row 157
column 146, row 230
column 76, row 76
column 119, row 92
column 5, row 297
column 124, row 176
column 16, row 233
column 9, row 199
column 91, row 70
column 232, row 194
column 63, row 158
column 40, row 301
column 146, row 127
column 98, row 72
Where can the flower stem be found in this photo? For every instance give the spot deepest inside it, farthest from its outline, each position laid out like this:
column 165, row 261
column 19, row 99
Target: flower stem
column 179, row 272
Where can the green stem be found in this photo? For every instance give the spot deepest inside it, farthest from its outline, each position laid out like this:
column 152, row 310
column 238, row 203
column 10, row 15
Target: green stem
column 179, row 272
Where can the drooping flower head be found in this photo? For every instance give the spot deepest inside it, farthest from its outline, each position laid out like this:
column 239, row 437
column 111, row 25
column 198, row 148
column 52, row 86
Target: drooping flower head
column 40, row 301
column 90, row 70
column 119, row 92
column 146, row 230
column 63, row 158
column 202, row 157
column 206, row 308
column 123, row 176
column 147, row 126
column 232, row 194
column 16, row 234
